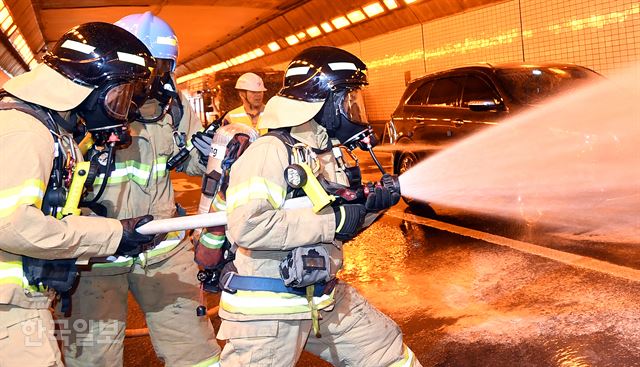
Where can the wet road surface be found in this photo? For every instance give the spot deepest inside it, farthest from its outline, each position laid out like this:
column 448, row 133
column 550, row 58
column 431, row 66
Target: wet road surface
column 465, row 302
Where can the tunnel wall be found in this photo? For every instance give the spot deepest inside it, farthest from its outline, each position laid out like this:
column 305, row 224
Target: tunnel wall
column 602, row 35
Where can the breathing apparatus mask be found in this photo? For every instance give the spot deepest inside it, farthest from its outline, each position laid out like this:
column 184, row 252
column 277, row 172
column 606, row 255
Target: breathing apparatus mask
column 345, row 118
column 162, row 88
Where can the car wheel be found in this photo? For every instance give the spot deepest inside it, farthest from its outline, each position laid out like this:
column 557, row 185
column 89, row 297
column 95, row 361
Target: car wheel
column 406, row 161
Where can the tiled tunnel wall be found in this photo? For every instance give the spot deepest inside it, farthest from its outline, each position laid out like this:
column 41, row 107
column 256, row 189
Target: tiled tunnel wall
column 601, row 34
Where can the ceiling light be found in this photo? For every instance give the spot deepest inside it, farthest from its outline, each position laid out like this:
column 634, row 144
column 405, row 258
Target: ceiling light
column 340, row 22
column 391, row 4
column 356, row 16
column 373, row 9
column 301, row 35
column 409, row 1
column 274, row 46
column 7, row 23
column 259, row 52
column 11, row 30
column 326, row 27
column 314, row 31
column 292, row 40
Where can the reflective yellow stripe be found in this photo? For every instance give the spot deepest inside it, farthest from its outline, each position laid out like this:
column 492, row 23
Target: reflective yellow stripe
column 211, row 362
column 219, row 204
column 212, row 241
column 11, row 273
column 173, row 239
column 30, row 192
column 269, row 303
column 135, row 171
column 407, row 360
column 120, row 261
column 253, row 189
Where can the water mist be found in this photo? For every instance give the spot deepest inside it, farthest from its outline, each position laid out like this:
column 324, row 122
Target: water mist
column 574, row 161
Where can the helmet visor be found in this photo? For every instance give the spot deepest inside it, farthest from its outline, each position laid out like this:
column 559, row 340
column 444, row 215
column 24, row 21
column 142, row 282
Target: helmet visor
column 118, row 100
column 352, row 106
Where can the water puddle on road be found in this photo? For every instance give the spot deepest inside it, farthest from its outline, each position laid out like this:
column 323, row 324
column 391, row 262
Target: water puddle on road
column 464, row 303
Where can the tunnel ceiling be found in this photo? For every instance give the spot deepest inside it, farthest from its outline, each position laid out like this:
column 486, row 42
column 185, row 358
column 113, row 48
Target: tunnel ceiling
column 212, row 31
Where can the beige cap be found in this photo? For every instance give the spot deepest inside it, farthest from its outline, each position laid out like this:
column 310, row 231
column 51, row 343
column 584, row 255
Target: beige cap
column 46, row 87
column 285, row 112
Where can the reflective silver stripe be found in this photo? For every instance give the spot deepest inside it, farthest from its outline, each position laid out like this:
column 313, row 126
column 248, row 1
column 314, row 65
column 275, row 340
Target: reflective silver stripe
column 78, row 46
column 342, row 66
column 300, row 70
column 131, row 58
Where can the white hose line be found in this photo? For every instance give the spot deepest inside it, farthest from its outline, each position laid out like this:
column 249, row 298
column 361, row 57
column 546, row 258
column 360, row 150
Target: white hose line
column 206, row 220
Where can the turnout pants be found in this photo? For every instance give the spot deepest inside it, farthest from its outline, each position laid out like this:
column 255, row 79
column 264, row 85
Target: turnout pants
column 27, row 337
column 354, row 333
column 167, row 293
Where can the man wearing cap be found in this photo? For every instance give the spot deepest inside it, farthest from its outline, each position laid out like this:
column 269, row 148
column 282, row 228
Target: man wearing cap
column 251, row 90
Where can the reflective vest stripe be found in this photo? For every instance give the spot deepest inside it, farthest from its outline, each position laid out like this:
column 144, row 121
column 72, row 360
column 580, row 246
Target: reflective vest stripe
column 219, row 204
column 135, row 171
column 210, row 362
column 30, row 192
column 269, row 303
column 255, row 188
column 11, row 273
column 115, row 262
column 173, row 239
column 212, row 241
column 407, row 360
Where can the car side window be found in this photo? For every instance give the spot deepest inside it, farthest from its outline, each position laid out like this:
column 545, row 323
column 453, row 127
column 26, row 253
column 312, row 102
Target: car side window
column 476, row 89
column 446, row 92
column 419, row 97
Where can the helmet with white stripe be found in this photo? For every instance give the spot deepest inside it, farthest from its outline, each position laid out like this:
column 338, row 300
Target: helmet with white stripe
column 317, row 71
column 112, row 62
column 324, row 84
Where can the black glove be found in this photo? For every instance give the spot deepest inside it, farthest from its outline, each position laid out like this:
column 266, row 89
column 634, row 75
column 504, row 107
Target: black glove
column 349, row 220
column 202, row 142
column 133, row 243
column 383, row 197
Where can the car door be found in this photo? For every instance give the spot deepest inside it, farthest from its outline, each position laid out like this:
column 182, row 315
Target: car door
column 478, row 87
column 434, row 118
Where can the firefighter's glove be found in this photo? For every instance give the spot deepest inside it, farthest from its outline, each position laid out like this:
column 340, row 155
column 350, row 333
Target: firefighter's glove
column 133, row 243
column 381, row 198
column 349, row 220
column 202, row 142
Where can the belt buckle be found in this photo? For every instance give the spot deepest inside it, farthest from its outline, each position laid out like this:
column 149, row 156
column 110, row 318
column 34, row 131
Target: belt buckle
column 226, row 281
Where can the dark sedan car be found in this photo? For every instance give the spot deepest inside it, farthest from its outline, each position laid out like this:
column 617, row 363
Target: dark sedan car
column 441, row 108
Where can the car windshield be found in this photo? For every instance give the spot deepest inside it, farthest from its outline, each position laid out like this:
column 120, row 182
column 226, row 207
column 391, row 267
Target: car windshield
column 531, row 85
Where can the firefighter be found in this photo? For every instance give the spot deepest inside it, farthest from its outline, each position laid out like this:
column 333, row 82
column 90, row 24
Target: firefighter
column 162, row 279
column 251, row 90
column 94, row 71
column 284, row 296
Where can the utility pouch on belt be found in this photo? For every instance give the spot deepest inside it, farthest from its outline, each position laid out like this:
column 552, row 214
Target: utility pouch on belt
column 306, row 265
column 59, row 275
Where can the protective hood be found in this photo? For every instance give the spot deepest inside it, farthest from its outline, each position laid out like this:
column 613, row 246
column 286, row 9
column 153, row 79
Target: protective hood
column 282, row 112
column 46, row 87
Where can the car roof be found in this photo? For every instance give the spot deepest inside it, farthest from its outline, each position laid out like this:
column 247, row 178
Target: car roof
column 485, row 66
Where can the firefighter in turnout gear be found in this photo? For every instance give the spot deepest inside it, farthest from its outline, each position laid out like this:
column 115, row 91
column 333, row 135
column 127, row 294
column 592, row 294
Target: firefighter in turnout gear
column 162, row 279
column 251, row 89
column 97, row 70
column 283, row 296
